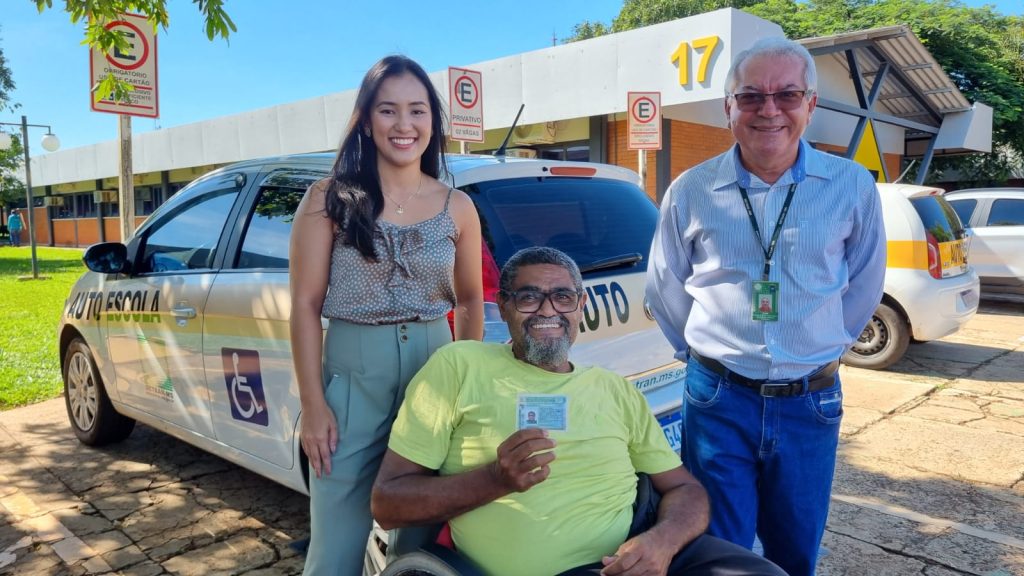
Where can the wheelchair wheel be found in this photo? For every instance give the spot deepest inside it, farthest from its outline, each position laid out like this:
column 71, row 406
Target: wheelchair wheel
column 419, row 563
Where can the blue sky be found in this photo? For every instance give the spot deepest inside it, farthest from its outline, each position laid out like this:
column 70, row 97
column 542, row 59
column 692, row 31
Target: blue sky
column 277, row 55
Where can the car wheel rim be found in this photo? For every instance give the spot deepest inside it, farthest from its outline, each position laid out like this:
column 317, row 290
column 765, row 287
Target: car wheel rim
column 873, row 339
column 82, row 393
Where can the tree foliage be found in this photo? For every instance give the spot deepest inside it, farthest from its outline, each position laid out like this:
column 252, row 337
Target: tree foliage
column 10, row 159
column 98, row 13
column 981, row 50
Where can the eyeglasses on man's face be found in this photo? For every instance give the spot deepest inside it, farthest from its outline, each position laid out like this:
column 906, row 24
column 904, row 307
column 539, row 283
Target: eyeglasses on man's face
column 529, row 301
column 784, row 100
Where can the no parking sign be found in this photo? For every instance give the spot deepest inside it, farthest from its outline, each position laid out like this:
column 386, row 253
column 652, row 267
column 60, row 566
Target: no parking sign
column 644, row 113
column 136, row 66
column 467, row 104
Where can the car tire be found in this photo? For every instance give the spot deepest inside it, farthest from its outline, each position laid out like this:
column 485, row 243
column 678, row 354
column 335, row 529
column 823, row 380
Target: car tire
column 92, row 416
column 882, row 342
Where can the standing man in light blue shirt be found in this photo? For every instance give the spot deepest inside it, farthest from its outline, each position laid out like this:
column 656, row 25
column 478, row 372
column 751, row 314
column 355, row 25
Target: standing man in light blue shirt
column 767, row 263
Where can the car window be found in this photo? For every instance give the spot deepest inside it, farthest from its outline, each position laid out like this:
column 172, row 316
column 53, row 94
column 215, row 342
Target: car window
column 1006, row 212
column 964, row 209
column 265, row 243
column 938, row 218
column 593, row 220
column 186, row 239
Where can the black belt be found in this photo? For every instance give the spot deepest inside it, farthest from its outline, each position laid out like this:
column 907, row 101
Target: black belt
column 818, row 380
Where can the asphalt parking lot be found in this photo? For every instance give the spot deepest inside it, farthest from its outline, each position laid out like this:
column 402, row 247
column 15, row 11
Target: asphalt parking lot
column 930, row 481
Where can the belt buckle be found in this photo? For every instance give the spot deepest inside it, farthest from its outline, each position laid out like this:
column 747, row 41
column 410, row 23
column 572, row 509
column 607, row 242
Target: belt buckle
column 767, row 387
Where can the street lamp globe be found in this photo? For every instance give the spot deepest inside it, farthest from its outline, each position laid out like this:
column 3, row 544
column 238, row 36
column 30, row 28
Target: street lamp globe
column 50, row 142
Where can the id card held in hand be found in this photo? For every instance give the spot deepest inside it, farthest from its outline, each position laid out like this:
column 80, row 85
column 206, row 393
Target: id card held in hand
column 547, row 411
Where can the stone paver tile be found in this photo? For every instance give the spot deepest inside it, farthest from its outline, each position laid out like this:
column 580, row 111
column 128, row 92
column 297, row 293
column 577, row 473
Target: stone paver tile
column 144, row 569
column 879, row 391
column 897, row 488
column 128, row 556
column 954, row 451
column 287, row 567
column 856, row 419
column 107, row 541
column 83, row 520
column 45, row 528
column 938, row 413
column 35, row 561
column 948, row 349
column 72, row 550
column 96, row 566
column 236, row 555
column 851, row 557
column 972, row 555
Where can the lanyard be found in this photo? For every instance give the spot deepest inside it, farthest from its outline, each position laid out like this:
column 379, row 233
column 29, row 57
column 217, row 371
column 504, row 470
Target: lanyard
column 778, row 226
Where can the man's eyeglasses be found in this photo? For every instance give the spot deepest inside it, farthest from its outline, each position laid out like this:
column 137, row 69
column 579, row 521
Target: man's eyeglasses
column 528, row 301
column 784, row 100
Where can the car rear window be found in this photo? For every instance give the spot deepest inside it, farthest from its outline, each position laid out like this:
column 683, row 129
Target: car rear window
column 604, row 225
column 964, row 209
column 939, row 218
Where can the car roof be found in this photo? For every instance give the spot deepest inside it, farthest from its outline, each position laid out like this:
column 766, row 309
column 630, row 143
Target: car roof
column 986, row 193
column 461, row 165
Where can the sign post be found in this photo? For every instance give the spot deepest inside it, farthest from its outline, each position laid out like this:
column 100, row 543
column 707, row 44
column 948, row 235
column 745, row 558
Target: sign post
column 467, row 105
column 644, row 122
column 137, row 67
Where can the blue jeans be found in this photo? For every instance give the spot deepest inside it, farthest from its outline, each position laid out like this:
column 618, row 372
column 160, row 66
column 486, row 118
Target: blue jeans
column 767, row 463
column 15, row 237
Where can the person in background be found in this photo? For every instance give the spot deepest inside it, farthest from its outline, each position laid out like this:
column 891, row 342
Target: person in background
column 14, row 227
column 384, row 250
column 767, row 263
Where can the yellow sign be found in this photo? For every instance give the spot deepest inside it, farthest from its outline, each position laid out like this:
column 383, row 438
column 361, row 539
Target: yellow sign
column 868, row 155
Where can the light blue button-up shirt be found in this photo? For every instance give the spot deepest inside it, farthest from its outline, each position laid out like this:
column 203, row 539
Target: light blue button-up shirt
column 829, row 263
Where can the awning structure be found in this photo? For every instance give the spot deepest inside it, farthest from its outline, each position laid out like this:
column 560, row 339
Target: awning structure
column 897, row 81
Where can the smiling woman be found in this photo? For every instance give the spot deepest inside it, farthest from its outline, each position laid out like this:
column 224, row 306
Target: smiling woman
column 29, row 371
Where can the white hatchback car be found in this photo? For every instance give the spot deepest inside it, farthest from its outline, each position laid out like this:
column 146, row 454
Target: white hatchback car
column 186, row 327
column 995, row 219
column 930, row 291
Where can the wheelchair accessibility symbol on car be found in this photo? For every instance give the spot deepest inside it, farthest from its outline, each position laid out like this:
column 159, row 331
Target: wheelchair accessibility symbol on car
column 245, row 385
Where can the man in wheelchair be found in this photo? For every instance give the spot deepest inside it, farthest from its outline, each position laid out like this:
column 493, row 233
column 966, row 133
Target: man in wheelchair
column 555, row 497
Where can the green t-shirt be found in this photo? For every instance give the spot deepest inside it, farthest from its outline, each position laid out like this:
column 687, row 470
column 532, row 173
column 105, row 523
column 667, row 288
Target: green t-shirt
column 462, row 404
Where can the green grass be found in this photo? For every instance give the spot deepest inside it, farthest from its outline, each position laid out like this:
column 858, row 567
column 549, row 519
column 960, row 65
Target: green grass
column 29, row 312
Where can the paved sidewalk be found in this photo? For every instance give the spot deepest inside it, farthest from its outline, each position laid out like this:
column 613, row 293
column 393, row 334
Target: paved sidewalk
column 930, row 481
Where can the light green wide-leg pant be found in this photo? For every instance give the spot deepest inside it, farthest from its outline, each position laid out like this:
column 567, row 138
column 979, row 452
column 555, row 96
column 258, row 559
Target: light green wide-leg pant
column 366, row 371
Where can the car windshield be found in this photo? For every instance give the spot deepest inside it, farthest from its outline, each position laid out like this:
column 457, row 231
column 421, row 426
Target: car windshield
column 606, row 226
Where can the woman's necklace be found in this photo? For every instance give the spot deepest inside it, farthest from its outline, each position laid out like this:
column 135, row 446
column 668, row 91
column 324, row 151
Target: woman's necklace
column 400, row 206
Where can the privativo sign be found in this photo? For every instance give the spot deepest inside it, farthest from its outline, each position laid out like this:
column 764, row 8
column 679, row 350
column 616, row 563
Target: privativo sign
column 467, row 104
column 644, row 112
column 136, row 66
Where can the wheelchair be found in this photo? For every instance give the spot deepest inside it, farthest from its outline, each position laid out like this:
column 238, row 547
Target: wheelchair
column 415, row 552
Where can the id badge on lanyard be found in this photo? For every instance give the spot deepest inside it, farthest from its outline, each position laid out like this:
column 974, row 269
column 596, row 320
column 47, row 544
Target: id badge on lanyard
column 765, row 300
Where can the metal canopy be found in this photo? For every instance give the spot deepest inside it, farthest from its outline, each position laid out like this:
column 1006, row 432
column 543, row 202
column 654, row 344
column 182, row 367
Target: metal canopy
column 896, row 80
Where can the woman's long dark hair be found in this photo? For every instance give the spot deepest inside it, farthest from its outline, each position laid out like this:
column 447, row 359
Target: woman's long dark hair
column 354, row 197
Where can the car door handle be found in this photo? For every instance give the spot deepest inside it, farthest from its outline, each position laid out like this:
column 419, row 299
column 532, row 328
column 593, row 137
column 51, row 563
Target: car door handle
column 183, row 312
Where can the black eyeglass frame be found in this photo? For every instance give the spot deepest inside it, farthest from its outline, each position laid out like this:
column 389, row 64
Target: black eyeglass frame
column 759, row 99
column 513, row 295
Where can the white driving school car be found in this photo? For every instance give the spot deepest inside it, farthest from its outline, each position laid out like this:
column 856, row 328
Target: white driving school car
column 186, row 327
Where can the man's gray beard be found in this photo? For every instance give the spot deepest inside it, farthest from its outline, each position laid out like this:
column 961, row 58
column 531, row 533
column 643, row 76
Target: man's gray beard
column 547, row 351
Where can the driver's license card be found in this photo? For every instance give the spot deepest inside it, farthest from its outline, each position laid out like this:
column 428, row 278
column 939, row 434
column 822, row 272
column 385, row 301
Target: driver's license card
column 547, row 411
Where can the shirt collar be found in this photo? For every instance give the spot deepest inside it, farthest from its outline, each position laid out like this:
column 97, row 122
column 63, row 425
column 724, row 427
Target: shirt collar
column 731, row 171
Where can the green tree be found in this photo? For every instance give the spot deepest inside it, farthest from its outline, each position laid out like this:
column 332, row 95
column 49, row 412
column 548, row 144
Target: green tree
column 981, row 50
column 98, row 13
column 10, row 159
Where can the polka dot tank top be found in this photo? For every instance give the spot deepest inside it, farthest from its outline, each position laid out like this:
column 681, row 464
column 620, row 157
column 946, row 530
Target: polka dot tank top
column 412, row 280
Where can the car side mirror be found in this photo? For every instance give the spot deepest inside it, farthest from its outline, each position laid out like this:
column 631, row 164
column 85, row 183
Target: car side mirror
column 107, row 258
